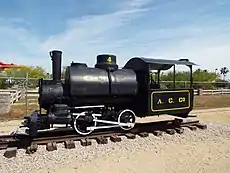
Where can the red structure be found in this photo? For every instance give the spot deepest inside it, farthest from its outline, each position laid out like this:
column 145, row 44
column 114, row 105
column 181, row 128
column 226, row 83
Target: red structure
column 4, row 66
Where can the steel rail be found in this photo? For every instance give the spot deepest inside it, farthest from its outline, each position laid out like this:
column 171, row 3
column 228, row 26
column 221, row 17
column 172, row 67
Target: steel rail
column 50, row 138
column 67, row 134
column 6, row 141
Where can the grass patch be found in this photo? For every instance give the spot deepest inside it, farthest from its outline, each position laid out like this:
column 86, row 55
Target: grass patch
column 18, row 112
column 200, row 102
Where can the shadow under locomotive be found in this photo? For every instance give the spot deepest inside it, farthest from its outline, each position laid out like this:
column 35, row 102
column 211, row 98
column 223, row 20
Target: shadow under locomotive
column 105, row 97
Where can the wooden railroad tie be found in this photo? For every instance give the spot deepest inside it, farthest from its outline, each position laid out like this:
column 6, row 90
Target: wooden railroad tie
column 51, row 146
column 179, row 130
column 130, row 136
column 115, row 138
column 69, row 144
column 157, row 133
column 102, row 140
column 31, row 149
column 201, row 126
column 170, row 131
column 193, row 128
column 10, row 152
column 85, row 142
column 143, row 134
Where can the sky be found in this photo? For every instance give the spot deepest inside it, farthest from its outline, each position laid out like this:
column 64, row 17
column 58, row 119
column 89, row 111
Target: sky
column 82, row 29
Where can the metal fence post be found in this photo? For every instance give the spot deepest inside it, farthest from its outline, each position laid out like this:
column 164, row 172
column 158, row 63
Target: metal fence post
column 26, row 93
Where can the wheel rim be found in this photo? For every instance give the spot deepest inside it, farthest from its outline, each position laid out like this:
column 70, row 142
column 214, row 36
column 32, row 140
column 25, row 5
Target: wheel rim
column 82, row 128
column 127, row 116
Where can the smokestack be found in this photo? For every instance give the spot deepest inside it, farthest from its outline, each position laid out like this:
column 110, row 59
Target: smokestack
column 56, row 64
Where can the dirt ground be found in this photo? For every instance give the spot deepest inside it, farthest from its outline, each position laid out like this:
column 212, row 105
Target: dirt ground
column 189, row 157
column 173, row 159
column 211, row 101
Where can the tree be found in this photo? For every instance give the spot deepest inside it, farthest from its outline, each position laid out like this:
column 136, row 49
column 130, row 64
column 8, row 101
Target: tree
column 201, row 78
column 224, row 71
column 33, row 72
column 204, row 79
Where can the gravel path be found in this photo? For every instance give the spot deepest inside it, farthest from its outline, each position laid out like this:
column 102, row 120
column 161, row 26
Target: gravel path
column 192, row 151
column 199, row 151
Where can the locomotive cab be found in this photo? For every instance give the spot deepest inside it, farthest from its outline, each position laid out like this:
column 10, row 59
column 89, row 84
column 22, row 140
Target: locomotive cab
column 156, row 98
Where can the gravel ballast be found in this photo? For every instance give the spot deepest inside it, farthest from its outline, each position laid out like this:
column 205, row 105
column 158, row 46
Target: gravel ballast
column 215, row 137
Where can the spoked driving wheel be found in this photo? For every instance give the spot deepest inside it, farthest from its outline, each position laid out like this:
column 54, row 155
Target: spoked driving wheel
column 81, row 123
column 127, row 116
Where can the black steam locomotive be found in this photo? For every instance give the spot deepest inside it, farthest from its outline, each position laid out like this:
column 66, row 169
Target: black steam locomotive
column 106, row 96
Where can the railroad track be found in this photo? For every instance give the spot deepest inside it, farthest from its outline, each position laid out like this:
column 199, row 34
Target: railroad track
column 11, row 143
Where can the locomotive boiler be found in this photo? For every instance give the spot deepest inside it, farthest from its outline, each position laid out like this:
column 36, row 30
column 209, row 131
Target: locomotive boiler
column 104, row 96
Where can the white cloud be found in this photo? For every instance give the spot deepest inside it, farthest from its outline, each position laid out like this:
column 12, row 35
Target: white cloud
column 88, row 36
column 82, row 39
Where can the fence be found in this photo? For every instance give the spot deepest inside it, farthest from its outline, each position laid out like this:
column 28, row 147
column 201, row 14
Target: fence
column 31, row 83
column 14, row 95
column 211, row 92
column 197, row 84
column 8, row 98
column 20, row 87
column 5, row 102
column 34, row 93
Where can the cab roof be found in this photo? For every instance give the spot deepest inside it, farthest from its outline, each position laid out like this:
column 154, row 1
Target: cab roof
column 146, row 64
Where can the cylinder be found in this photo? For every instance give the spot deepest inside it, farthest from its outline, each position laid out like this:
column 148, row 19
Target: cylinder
column 56, row 64
column 106, row 62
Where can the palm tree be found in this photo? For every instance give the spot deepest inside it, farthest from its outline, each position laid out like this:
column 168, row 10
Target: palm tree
column 224, row 71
